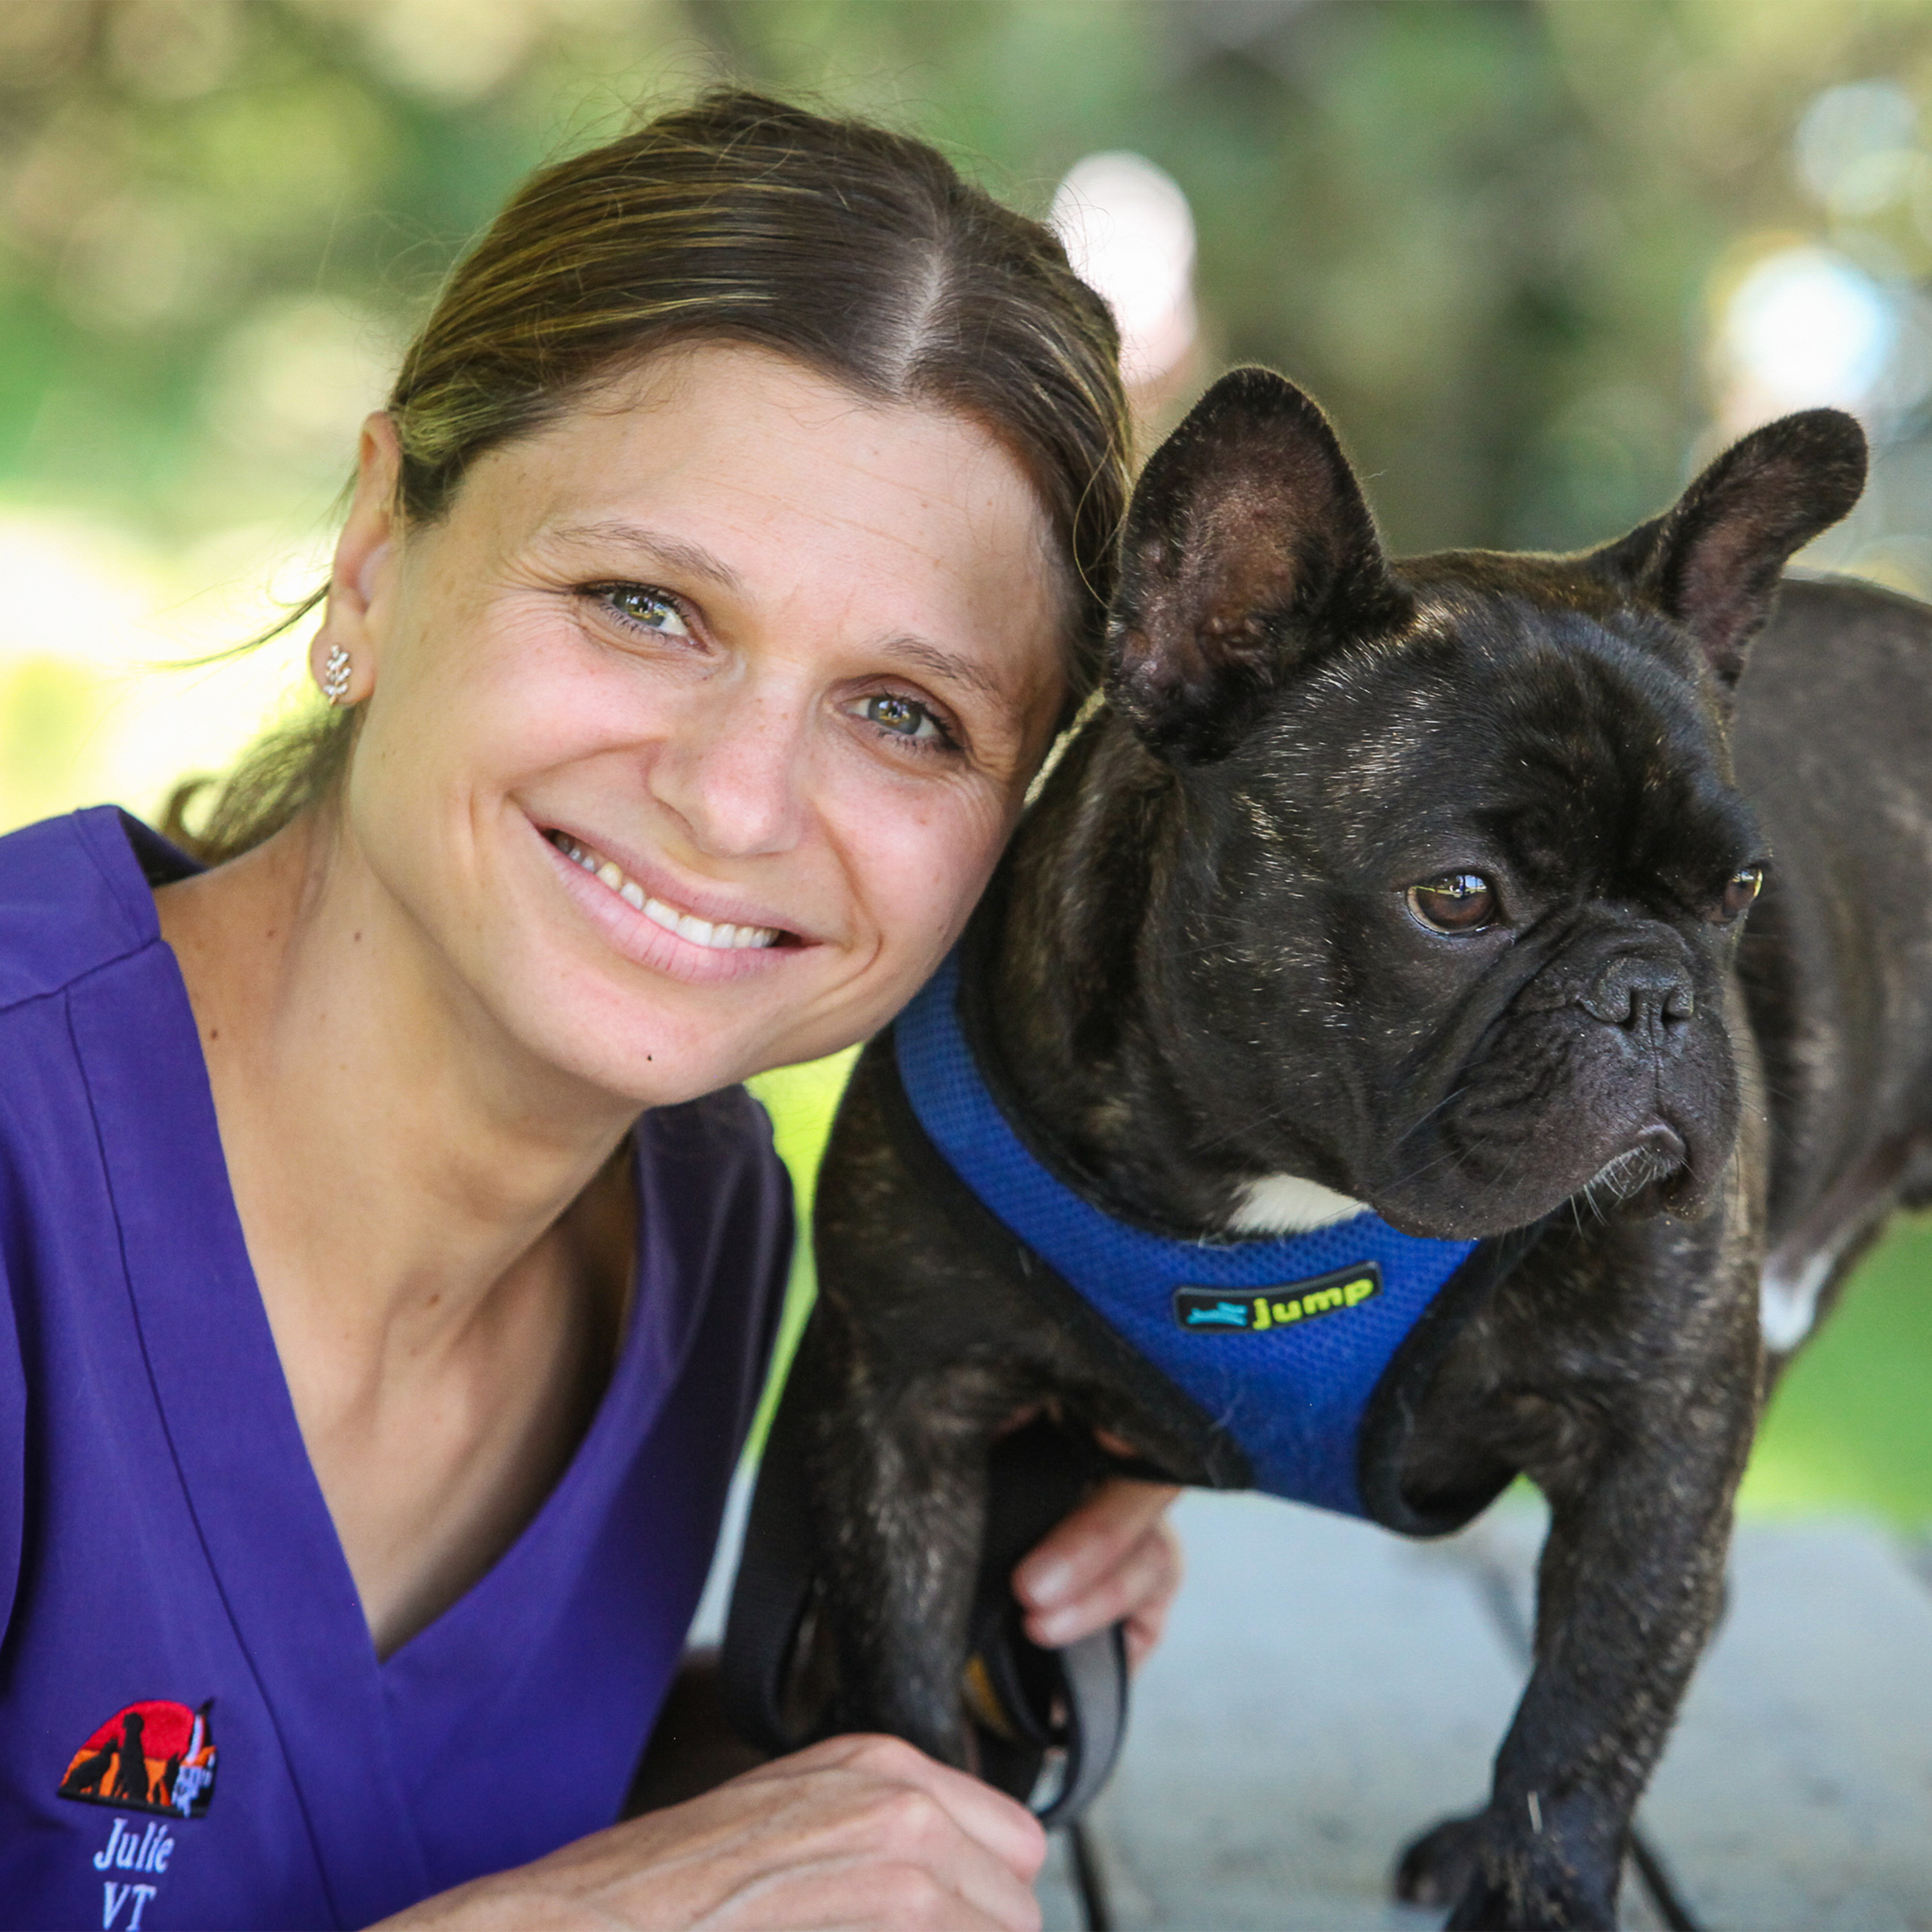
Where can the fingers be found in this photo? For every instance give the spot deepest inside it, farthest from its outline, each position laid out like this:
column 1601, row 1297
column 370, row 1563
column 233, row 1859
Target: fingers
column 860, row 1834
column 1138, row 1590
column 1147, row 1620
column 1004, row 1828
column 936, row 1806
column 1114, row 1558
column 877, row 1833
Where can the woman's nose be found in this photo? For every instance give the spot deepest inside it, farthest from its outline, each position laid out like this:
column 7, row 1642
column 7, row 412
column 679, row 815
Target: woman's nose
column 731, row 773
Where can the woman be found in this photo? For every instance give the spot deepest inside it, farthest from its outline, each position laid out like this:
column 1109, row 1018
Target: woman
column 391, row 1256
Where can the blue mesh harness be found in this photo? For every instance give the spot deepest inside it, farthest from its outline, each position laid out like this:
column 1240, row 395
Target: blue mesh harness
column 1283, row 1343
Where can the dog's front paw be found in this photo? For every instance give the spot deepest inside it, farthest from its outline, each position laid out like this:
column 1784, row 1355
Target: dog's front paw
column 1497, row 1879
column 1521, row 1903
column 1442, row 1864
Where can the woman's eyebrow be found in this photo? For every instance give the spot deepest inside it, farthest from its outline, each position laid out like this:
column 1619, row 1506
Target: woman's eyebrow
column 688, row 559
column 946, row 665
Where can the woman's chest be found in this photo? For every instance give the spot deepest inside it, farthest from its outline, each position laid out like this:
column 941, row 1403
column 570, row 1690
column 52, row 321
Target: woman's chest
column 432, row 1464
column 436, row 1436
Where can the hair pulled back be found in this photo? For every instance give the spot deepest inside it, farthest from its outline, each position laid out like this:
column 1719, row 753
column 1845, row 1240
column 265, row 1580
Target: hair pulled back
column 859, row 253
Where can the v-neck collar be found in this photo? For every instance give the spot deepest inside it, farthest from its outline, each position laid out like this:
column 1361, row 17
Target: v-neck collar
column 265, row 1525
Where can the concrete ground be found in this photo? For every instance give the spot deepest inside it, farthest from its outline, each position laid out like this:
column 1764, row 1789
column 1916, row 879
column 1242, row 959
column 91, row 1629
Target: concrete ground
column 1325, row 1690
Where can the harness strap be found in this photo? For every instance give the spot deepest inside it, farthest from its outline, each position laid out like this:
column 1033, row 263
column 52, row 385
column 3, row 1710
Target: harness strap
column 772, row 1594
column 1072, row 1700
column 1025, row 1701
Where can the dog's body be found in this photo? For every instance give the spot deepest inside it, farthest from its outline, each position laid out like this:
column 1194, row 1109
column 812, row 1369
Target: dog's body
column 1239, row 974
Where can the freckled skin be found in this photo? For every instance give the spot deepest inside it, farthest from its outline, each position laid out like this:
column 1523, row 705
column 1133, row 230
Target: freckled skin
column 1197, row 966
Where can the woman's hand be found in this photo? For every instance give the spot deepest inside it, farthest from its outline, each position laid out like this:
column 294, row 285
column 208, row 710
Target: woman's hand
column 857, row 1832
column 1115, row 1557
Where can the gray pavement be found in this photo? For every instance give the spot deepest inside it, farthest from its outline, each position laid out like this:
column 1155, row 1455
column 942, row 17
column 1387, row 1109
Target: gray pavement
column 1325, row 1690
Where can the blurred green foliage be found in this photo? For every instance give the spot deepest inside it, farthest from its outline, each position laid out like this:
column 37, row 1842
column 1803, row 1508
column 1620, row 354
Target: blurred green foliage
column 1490, row 234
column 1480, row 229
column 801, row 1101
column 47, row 709
column 1850, row 1429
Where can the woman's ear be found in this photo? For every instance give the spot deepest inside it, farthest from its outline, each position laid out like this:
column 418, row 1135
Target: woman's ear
column 348, row 645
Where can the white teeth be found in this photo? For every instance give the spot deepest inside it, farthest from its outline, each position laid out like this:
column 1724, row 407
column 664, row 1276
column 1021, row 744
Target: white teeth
column 719, row 938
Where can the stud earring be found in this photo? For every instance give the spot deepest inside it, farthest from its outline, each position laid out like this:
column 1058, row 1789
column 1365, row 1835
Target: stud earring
column 335, row 675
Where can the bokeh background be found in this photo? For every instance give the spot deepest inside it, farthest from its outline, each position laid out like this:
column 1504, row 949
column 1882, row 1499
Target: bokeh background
column 1538, row 257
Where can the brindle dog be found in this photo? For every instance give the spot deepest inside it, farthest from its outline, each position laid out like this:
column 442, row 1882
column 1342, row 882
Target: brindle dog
column 1427, row 883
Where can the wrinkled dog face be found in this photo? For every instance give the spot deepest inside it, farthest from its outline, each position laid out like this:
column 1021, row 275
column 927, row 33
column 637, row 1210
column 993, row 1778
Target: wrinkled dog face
column 1461, row 870
column 1492, row 870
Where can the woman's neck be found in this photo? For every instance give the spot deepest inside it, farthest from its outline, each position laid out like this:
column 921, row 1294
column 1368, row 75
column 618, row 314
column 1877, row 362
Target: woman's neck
column 440, row 1227
column 390, row 1143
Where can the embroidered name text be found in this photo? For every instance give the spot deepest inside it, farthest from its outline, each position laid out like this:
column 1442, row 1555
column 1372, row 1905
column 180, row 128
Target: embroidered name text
column 148, row 1852
column 118, row 1895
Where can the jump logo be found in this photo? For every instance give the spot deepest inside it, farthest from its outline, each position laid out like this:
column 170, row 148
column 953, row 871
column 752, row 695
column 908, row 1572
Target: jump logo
column 1211, row 1311
column 157, row 1756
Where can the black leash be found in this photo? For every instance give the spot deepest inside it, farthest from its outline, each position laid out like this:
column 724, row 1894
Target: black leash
column 1026, row 1705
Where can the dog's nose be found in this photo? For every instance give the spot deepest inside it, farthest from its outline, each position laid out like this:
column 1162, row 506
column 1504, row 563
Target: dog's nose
column 1641, row 995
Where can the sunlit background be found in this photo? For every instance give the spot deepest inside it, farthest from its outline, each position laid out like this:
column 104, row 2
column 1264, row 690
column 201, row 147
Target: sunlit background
column 1537, row 259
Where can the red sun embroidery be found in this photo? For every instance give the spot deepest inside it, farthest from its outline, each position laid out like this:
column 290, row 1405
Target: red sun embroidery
column 155, row 1755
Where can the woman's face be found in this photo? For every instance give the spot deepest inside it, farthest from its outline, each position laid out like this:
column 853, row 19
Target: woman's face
column 694, row 729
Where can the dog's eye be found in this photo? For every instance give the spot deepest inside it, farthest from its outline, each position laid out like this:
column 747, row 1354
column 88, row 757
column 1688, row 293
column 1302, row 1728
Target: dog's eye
column 1745, row 887
column 1458, row 902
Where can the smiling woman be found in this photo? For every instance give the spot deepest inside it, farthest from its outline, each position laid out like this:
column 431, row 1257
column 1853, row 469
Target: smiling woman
column 390, row 1256
column 800, row 725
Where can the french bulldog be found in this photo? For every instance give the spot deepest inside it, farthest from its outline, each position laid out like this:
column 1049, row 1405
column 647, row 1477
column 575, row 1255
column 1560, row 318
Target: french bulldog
column 1576, row 906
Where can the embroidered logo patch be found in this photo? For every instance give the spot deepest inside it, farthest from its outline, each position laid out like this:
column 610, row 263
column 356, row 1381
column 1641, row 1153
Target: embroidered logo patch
column 1214, row 1311
column 156, row 1756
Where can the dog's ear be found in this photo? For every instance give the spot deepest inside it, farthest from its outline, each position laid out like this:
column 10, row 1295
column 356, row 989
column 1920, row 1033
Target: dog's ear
column 1712, row 561
column 1248, row 549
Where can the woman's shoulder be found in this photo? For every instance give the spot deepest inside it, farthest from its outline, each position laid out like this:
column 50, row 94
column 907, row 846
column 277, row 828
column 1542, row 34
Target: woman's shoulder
column 75, row 895
column 711, row 1185
column 725, row 1131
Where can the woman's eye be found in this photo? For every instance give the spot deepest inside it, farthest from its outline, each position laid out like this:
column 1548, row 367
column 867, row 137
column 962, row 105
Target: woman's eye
column 1458, row 902
column 1736, row 900
column 647, row 609
column 902, row 718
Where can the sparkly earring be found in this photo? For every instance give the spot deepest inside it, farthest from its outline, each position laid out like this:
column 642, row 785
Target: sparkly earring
column 335, row 675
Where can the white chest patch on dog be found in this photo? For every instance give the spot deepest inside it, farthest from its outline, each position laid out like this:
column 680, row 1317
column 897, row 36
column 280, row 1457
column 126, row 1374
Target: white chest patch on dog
column 1787, row 1297
column 1284, row 1204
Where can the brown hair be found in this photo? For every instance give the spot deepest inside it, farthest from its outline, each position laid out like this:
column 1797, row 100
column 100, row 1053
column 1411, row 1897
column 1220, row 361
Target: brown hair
column 857, row 252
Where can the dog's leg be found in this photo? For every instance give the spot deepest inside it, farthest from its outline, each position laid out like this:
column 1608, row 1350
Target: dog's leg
column 1612, row 1666
column 1638, row 1448
column 899, row 1489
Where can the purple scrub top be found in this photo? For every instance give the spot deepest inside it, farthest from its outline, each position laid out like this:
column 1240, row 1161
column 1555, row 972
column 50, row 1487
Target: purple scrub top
column 195, row 1730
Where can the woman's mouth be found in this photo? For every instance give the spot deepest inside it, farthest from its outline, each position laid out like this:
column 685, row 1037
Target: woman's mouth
column 718, row 938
